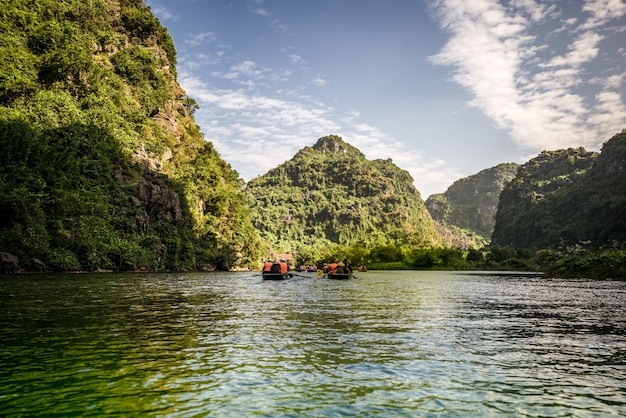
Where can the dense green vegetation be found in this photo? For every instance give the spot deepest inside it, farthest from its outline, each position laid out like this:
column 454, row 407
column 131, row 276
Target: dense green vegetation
column 101, row 163
column 532, row 212
column 571, row 205
column 566, row 197
column 467, row 210
column 330, row 194
column 103, row 167
column 564, row 212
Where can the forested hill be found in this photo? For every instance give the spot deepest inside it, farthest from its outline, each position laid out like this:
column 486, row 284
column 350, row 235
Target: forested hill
column 330, row 193
column 101, row 163
column 566, row 198
column 466, row 211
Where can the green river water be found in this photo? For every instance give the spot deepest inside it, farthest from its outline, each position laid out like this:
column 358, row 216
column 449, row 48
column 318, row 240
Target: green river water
column 387, row 344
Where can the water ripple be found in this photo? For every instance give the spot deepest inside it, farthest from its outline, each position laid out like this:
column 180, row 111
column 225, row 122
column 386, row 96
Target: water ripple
column 387, row 344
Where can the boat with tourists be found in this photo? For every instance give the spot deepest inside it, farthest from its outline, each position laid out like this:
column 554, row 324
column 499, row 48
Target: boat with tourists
column 276, row 276
column 337, row 276
column 336, row 271
column 276, row 270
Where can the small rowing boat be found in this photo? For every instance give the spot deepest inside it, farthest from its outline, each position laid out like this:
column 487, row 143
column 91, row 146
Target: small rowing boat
column 338, row 276
column 276, row 276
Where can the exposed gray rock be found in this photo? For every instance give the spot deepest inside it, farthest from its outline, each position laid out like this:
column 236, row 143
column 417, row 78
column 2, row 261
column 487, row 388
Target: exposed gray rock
column 9, row 263
column 160, row 201
column 35, row 264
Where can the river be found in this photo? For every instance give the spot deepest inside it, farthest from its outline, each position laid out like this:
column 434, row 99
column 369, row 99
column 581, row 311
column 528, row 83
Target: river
column 399, row 343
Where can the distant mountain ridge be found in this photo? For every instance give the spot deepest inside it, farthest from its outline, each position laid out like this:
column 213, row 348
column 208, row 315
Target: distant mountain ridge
column 466, row 210
column 330, row 193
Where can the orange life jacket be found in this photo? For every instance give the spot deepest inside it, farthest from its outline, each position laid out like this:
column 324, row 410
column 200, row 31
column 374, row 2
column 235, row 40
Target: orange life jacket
column 267, row 266
column 283, row 267
column 333, row 267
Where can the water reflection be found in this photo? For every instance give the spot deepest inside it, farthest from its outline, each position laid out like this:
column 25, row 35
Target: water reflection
column 388, row 343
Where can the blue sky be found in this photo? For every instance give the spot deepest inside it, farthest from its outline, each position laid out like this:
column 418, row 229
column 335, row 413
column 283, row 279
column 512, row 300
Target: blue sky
column 445, row 88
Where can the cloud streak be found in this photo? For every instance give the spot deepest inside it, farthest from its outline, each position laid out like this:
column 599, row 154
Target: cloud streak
column 517, row 75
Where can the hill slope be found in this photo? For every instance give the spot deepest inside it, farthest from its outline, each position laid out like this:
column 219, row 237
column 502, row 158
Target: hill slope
column 330, row 193
column 467, row 209
column 102, row 164
column 566, row 197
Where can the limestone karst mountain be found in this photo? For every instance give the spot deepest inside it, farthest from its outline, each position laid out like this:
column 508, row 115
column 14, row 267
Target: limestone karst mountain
column 330, row 193
column 466, row 212
column 565, row 198
column 102, row 163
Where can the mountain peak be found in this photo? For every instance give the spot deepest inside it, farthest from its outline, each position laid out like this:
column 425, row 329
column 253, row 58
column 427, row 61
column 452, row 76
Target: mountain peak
column 334, row 144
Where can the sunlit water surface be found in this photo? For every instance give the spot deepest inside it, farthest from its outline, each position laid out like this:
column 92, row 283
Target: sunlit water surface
column 385, row 344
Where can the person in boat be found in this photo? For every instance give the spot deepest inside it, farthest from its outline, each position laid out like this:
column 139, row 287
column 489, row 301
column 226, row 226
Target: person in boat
column 341, row 268
column 326, row 268
column 283, row 266
column 267, row 266
column 275, row 267
column 332, row 267
column 347, row 267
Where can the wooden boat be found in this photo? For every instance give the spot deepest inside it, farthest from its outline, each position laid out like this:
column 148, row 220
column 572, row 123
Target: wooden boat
column 338, row 276
column 276, row 276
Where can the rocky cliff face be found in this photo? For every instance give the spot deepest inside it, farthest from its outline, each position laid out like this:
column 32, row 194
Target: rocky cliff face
column 466, row 211
column 335, row 145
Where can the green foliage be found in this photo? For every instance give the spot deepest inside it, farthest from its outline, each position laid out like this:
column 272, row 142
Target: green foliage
column 141, row 23
column 564, row 197
column 607, row 264
column 20, row 78
column 138, row 66
column 470, row 203
column 61, row 259
column 438, row 258
column 191, row 104
column 78, row 81
column 330, row 193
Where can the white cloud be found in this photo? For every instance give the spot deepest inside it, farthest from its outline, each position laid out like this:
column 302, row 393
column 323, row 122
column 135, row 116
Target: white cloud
column 249, row 74
column 602, row 11
column 201, row 38
column 260, row 11
column 296, row 59
column 246, row 67
column 255, row 133
column 614, row 81
column 534, row 10
column 164, row 14
column 528, row 88
column 583, row 50
column 610, row 111
column 278, row 26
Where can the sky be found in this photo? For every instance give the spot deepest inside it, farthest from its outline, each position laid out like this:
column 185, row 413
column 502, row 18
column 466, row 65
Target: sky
column 445, row 88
